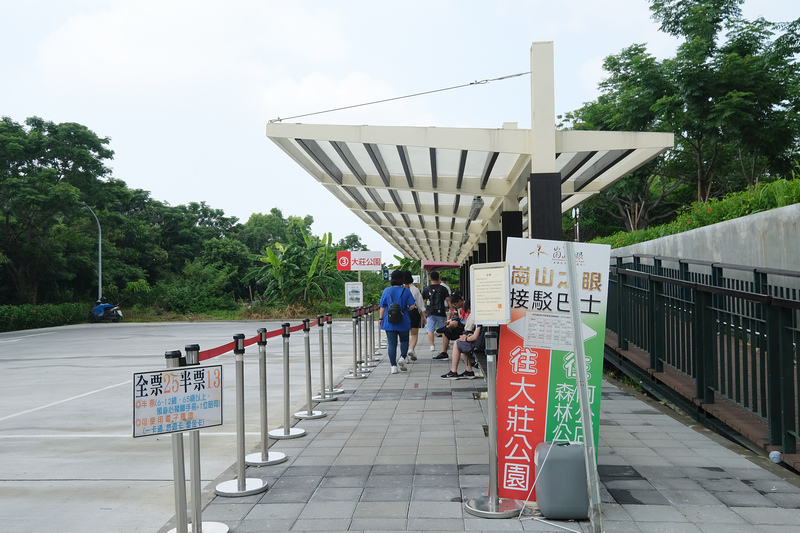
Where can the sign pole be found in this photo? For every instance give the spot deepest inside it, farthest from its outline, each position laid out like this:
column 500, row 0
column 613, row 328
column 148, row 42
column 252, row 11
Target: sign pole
column 593, row 487
column 173, row 358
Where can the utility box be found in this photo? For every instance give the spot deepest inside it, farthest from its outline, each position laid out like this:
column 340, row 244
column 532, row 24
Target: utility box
column 561, row 488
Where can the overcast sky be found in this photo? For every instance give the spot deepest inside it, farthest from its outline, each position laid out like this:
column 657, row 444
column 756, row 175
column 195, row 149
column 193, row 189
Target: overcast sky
column 184, row 88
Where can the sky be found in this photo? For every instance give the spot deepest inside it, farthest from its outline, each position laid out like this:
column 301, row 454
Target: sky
column 184, row 88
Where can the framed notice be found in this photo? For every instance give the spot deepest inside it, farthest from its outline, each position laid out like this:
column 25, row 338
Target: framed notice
column 354, row 294
column 177, row 399
column 490, row 294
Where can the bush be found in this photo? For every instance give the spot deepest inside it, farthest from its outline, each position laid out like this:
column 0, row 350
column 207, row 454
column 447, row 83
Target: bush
column 27, row 316
column 762, row 197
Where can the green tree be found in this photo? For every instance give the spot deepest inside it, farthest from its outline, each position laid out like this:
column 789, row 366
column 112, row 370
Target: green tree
column 45, row 171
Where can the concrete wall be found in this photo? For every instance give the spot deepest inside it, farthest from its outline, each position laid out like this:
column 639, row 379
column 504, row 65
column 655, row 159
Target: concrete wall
column 766, row 240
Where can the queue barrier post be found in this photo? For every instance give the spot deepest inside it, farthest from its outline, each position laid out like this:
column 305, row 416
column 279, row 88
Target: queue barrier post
column 323, row 394
column 492, row 506
column 366, row 358
column 331, row 390
column 357, row 372
column 309, row 413
column 265, row 457
column 241, row 486
column 287, row 432
column 178, row 468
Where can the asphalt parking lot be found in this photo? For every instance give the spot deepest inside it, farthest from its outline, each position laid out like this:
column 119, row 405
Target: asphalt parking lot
column 68, row 461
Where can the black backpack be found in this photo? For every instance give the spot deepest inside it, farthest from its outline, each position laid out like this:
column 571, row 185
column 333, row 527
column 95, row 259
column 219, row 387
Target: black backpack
column 395, row 313
column 437, row 297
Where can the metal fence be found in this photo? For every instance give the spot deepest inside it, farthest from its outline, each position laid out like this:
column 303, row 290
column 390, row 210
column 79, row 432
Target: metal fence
column 731, row 331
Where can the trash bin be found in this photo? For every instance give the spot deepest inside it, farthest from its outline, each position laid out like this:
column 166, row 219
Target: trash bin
column 561, row 487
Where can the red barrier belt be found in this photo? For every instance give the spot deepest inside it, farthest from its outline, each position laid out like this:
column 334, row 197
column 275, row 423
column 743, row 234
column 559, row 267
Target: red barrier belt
column 225, row 348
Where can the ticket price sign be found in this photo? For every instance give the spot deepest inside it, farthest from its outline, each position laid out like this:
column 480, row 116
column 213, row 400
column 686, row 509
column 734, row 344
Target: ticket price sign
column 177, row 399
column 537, row 393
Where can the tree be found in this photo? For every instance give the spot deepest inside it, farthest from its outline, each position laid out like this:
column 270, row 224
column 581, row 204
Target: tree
column 46, row 170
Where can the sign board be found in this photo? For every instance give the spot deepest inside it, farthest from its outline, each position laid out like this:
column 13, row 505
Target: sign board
column 537, row 392
column 489, row 286
column 358, row 260
column 385, row 274
column 177, row 399
column 354, row 294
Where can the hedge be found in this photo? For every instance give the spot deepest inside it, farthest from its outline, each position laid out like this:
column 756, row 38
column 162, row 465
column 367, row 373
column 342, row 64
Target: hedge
column 27, row 316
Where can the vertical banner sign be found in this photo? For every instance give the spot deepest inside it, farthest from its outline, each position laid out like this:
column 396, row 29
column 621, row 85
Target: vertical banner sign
column 537, row 393
column 358, row 260
column 177, row 399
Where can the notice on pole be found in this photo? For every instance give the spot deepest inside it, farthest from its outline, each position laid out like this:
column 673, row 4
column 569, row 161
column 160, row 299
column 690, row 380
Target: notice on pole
column 354, row 294
column 489, row 286
column 177, row 399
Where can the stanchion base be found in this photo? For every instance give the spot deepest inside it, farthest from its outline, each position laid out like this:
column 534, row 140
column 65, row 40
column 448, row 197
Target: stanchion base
column 293, row 433
column 231, row 488
column 482, row 507
column 257, row 459
column 333, row 391
column 206, row 527
column 355, row 376
column 364, row 369
column 310, row 415
column 324, row 398
column 369, row 363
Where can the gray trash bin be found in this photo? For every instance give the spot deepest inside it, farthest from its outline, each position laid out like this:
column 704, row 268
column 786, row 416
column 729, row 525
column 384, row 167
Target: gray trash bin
column 561, row 487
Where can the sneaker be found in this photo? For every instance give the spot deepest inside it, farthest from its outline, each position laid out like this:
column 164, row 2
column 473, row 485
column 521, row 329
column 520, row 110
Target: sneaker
column 451, row 375
column 433, row 348
column 467, row 374
column 394, row 370
column 402, row 364
column 412, row 355
column 442, row 355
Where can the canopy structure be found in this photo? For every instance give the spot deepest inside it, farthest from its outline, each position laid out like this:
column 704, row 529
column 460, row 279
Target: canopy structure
column 434, row 193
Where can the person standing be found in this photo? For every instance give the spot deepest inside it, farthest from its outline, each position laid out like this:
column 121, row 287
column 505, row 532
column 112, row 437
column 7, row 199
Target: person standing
column 396, row 330
column 436, row 300
column 417, row 315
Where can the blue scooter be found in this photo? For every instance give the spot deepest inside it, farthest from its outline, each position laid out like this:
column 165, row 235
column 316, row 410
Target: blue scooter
column 105, row 311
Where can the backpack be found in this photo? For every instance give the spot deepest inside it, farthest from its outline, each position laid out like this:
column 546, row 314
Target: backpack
column 436, row 305
column 395, row 313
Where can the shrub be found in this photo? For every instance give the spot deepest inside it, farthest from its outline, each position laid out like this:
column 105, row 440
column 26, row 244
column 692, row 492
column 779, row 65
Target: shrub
column 28, row 316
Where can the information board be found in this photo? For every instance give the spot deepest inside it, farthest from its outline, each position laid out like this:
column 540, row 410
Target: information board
column 489, row 286
column 354, row 294
column 177, row 399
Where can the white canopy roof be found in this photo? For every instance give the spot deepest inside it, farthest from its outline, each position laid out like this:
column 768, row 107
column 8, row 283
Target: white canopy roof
column 417, row 186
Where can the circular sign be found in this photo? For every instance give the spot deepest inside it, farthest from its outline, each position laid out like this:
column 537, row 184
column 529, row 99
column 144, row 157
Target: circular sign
column 344, row 261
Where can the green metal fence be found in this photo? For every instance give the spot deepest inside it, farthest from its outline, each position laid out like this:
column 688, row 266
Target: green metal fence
column 733, row 330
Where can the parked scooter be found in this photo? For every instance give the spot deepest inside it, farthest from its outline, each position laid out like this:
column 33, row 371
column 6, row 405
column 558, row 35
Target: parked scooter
column 105, row 311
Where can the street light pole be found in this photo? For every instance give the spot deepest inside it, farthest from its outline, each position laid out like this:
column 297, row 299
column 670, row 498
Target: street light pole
column 99, row 254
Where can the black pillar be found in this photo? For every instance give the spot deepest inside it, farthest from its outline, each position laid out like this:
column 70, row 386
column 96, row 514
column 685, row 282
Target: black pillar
column 544, row 199
column 476, row 258
column 482, row 252
column 510, row 226
column 494, row 247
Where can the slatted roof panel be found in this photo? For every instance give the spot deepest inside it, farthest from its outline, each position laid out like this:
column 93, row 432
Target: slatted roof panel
column 416, row 186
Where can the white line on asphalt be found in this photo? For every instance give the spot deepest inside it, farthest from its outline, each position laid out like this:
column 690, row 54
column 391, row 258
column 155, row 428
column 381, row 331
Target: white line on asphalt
column 17, row 339
column 64, row 401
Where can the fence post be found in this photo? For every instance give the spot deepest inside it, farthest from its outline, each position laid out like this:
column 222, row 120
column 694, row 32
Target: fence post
column 780, row 375
column 704, row 331
column 287, row 432
column 622, row 342
column 241, row 486
column 266, row 457
column 309, row 413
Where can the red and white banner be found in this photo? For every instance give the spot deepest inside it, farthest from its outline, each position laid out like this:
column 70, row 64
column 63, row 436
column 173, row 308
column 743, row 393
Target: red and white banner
column 358, row 260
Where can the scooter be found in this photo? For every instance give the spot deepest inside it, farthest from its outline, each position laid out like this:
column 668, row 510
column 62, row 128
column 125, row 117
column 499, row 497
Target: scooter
column 105, row 311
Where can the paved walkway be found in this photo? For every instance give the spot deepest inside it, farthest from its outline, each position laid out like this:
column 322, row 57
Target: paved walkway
column 401, row 452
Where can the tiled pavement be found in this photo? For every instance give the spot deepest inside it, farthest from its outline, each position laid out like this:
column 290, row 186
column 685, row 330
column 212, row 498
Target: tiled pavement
column 401, row 452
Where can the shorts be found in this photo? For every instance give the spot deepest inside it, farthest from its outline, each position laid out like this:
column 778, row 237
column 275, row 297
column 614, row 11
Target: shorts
column 464, row 346
column 416, row 318
column 434, row 322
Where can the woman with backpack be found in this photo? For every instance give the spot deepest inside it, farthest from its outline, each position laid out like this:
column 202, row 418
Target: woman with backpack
column 395, row 303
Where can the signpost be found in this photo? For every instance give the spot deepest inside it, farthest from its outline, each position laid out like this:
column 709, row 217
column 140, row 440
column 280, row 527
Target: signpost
column 349, row 260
